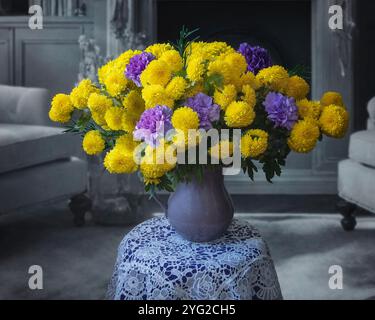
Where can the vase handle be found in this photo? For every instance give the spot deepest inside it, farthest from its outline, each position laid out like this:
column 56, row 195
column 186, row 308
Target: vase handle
column 160, row 203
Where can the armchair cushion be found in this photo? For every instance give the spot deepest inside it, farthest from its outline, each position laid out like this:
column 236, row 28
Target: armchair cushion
column 23, row 146
column 362, row 147
column 51, row 181
column 356, row 184
column 24, row 105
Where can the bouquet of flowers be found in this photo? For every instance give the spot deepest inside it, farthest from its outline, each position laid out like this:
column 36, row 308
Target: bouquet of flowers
column 146, row 103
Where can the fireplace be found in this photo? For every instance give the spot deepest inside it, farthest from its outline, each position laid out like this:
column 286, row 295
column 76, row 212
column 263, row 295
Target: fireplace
column 243, row 21
column 295, row 32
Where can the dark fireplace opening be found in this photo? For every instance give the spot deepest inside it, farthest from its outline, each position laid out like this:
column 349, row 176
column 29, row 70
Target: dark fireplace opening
column 14, row 7
column 283, row 27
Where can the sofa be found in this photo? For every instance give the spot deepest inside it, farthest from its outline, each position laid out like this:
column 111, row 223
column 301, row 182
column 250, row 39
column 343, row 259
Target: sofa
column 356, row 175
column 38, row 163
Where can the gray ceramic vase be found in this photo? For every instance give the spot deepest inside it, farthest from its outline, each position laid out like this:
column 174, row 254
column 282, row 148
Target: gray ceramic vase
column 201, row 211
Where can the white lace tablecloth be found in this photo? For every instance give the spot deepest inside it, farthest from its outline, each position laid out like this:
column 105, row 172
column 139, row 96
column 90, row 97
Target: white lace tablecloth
column 154, row 262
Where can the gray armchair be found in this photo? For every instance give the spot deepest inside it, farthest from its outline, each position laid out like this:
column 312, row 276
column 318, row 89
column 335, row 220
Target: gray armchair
column 38, row 163
column 356, row 175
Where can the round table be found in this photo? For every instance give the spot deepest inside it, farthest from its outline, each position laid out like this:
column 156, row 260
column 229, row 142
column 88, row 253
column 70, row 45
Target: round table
column 155, row 263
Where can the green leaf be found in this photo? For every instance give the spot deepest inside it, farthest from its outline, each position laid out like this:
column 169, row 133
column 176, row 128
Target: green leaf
column 250, row 173
column 183, row 41
column 212, row 82
column 277, row 170
column 301, row 71
column 168, row 188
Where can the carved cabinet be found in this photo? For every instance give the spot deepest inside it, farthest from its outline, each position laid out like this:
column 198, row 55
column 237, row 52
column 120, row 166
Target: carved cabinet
column 47, row 58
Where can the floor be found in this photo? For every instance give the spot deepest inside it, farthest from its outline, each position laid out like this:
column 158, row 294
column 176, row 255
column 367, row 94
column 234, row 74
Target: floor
column 77, row 262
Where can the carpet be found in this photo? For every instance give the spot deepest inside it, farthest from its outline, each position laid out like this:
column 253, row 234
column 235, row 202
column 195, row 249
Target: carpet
column 77, row 262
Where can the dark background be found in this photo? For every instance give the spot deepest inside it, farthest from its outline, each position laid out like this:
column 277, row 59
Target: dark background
column 14, row 7
column 364, row 61
column 238, row 21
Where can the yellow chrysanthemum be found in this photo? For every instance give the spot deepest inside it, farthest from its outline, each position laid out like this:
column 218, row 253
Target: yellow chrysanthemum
column 222, row 150
column 56, row 116
column 221, row 68
column 117, row 65
column 115, row 83
column 332, row 97
column 119, row 160
column 220, row 46
column 183, row 139
column 99, row 119
column 195, row 69
column 163, row 153
column 113, row 118
column 208, row 50
column 81, row 93
column 308, row 109
column 297, row 88
column 105, row 70
column 61, row 108
column 155, row 163
column 275, row 77
column 304, row 136
column 93, row 142
column 176, row 87
column 156, row 95
column 225, row 96
column 334, row 121
column 249, row 79
column 158, row 49
column 249, row 95
column 99, row 103
column 126, row 142
column 236, row 81
column 173, row 60
column 128, row 122
column 133, row 103
column 237, row 62
column 239, row 114
column 156, row 72
column 152, row 173
column 194, row 49
column 195, row 89
column 185, row 118
column 123, row 59
column 217, row 48
column 254, row 143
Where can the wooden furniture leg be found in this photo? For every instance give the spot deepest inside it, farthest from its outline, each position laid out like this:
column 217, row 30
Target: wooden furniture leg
column 347, row 210
column 79, row 205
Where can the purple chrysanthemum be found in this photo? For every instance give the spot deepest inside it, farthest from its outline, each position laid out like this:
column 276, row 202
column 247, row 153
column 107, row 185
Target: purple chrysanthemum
column 257, row 58
column 136, row 66
column 282, row 110
column 208, row 111
column 153, row 125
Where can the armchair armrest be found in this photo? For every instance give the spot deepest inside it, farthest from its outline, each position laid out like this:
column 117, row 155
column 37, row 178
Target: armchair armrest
column 24, row 105
column 371, row 112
